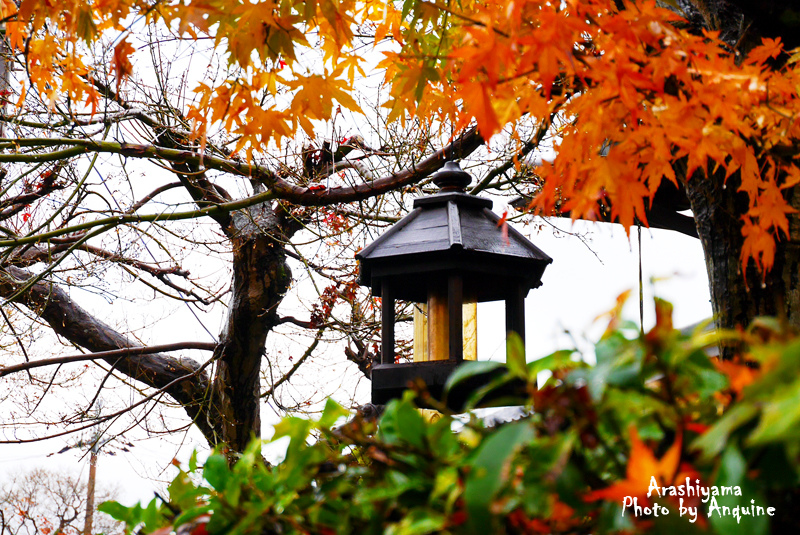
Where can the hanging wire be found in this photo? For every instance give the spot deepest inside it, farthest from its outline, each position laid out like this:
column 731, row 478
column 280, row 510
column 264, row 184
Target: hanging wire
column 641, row 286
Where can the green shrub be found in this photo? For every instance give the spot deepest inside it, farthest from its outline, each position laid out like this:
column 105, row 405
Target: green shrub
column 652, row 408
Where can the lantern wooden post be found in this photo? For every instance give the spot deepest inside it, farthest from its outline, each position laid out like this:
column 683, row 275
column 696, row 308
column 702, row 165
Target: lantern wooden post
column 455, row 303
column 515, row 312
column 387, row 323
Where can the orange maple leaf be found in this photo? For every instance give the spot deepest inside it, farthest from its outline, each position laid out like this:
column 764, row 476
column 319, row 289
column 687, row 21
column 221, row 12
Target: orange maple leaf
column 739, row 375
column 478, row 101
column 642, row 467
column 769, row 48
column 121, row 61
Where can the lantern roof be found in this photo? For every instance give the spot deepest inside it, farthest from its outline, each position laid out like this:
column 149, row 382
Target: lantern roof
column 452, row 232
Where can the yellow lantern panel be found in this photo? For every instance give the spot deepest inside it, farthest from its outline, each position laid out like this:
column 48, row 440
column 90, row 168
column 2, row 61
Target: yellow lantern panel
column 432, row 331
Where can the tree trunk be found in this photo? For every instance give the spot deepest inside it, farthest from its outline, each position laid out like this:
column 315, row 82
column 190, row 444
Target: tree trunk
column 738, row 296
column 261, row 278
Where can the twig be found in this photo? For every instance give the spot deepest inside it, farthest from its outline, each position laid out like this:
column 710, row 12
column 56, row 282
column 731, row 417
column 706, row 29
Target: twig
column 97, row 421
column 294, row 368
column 124, row 352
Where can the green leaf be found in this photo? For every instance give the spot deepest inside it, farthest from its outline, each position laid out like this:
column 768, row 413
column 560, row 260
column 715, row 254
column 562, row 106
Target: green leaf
column 467, row 370
column 411, row 425
column 732, row 473
column 216, row 471
column 701, row 377
column 193, row 462
column 714, row 440
column 233, row 490
column 612, row 520
column 476, row 398
column 402, row 422
column 490, row 471
column 441, row 439
column 190, row 514
column 297, row 429
column 419, row 522
column 332, row 412
column 515, row 356
column 445, row 481
column 132, row 516
column 397, row 484
column 782, row 371
column 732, row 466
column 182, row 491
column 249, row 461
column 779, row 417
column 150, row 516
column 561, row 359
column 619, row 363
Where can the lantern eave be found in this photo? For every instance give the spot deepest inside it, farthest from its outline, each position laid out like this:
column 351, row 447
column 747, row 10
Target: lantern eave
column 451, row 232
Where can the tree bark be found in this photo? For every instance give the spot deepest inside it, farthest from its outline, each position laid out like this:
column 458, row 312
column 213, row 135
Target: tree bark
column 740, row 295
column 261, row 278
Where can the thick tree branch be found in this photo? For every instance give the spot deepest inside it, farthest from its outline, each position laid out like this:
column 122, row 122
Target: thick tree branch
column 466, row 144
column 105, row 355
column 277, row 188
column 305, row 324
column 74, row 120
column 75, row 324
column 361, row 356
column 193, row 177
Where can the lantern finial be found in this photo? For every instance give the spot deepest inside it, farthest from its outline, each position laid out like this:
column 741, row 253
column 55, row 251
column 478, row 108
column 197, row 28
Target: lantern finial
column 451, row 178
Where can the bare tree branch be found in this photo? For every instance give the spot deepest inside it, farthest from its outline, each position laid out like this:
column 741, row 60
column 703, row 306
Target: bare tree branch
column 108, row 417
column 294, row 368
column 152, row 195
column 277, row 188
column 105, row 355
column 47, row 185
column 38, row 254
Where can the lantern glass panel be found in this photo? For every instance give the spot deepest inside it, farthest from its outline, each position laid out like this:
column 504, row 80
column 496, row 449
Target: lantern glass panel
column 431, row 331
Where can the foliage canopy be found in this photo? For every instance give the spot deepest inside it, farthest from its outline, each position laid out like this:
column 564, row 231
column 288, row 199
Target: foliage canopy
column 629, row 76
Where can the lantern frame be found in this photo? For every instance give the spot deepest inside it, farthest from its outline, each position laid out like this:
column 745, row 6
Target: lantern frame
column 451, row 242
